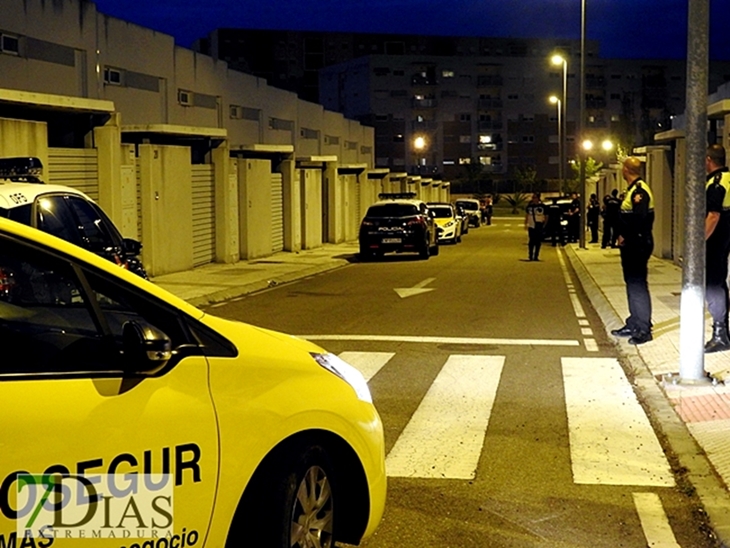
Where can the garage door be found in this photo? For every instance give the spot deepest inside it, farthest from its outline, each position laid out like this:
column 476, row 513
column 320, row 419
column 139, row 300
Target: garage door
column 74, row 167
column 203, row 179
column 277, row 213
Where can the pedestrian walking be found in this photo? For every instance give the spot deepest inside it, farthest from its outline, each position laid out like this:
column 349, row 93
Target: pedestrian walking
column 535, row 219
column 553, row 226
column 573, row 214
column 593, row 213
column 636, row 242
column 488, row 210
column 717, row 246
column 612, row 206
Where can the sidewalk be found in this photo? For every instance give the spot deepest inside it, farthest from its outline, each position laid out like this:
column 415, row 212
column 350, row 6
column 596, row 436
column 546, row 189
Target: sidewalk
column 694, row 419
column 702, row 411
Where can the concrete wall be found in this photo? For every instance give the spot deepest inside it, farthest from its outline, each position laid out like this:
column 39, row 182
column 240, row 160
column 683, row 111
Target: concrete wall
column 254, row 201
column 167, row 207
column 24, row 138
column 659, row 177
column 311, row 188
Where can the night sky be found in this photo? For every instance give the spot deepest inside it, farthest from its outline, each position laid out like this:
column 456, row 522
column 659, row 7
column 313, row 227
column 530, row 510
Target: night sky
column 625, row 28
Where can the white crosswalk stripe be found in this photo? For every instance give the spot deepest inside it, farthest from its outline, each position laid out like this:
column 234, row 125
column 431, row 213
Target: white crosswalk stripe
column 654, row 521
column 611, row 440
column 445, row 435
column 368, row 363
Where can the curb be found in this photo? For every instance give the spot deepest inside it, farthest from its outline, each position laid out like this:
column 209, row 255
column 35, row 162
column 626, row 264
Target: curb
column 698, row 470
column 260, row 285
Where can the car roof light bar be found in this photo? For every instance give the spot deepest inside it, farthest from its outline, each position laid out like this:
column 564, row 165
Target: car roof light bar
column 26, row 169
column 396, row 195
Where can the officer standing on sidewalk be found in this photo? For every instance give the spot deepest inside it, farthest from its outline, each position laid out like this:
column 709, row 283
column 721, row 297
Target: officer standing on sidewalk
column 717, row 238
column 636, row 242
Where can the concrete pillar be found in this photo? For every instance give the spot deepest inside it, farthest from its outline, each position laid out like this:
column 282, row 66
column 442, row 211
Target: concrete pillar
column 292, row 206
column 24, row 138
column 335, row 204
column 312, row 207
column 108, row 140
column 254, row 199
column 227, row 243
column 659, row 177
column 166, row 192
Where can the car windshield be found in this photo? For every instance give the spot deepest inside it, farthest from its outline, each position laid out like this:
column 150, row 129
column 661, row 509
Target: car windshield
column 469, row 205
column 442, row 212
column 392, row 210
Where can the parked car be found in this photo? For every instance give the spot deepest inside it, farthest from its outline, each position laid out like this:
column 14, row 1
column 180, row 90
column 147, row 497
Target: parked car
column 260, row 438
column 64, row 212
column 472, row 207
column 560, row 225
column 448, row 223
column 400, row 223
column 464, row 217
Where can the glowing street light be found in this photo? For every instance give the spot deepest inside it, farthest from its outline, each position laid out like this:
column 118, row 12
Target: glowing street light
column 607, row 145
column 419, row 143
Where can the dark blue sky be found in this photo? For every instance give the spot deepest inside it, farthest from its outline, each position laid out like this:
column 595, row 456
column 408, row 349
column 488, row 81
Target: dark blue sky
column 625, row 28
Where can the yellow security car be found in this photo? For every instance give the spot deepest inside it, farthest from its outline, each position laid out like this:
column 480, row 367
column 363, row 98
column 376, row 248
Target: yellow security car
column 447, row 221
column 133, row 419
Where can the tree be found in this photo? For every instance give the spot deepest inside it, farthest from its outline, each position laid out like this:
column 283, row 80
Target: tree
column 525, row 177
column 592, row 168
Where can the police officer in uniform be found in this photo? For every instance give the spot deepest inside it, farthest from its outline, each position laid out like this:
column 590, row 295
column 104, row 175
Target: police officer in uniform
column 535, row 220
column 636, row 243
column 717, row 241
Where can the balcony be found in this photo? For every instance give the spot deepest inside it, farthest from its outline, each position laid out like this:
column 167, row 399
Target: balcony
column 428, row 102
column 486, row 125
column 486, row 104
column 489, row 80
column 424, row 126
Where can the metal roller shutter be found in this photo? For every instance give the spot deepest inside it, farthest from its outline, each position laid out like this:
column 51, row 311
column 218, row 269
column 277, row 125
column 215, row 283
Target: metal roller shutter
column 74, row 167
column 203, row 179
column 277, row 213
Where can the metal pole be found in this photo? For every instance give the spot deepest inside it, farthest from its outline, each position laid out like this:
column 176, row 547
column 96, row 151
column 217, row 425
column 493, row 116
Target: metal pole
column 561, row 172
column 692, row 302
column 564, row 127
column 581, row 122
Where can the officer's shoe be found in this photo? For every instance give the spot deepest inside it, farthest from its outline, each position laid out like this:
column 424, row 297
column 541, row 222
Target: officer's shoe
column 719, row 341
column 624, row 331
column 641, row 337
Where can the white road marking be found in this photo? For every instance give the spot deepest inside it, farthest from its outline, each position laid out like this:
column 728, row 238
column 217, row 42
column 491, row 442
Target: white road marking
column 577, row 307
column 654, row 521
column 417, row 289
column 611, row 440
column 591, row 345
column 583, row 322
column 445, row 435
column 443, row 340
column 586, row 331
column 367, row 363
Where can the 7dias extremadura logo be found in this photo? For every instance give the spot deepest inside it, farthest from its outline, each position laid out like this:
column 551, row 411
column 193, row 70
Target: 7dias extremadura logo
column 121, row 506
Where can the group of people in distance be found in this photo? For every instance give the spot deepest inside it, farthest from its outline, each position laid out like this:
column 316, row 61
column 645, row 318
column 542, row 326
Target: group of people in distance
column 628, row 221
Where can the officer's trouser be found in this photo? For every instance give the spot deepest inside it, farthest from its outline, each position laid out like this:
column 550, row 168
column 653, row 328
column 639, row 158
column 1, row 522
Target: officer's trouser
column 716, row 290
column 635, row 265
column 535, row 240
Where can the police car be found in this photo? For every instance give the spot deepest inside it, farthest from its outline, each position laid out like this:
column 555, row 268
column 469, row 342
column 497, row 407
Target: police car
column 64, row 212
column 133, row 419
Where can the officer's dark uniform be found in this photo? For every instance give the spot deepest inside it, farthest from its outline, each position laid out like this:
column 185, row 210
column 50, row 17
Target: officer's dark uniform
column 574, row 221
column 636, row 219
column 554, row 229
column 610, row 221
column 717, row 249
column 536, row 217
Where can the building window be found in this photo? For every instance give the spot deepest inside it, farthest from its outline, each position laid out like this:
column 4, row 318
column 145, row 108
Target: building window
column 449, row 162
column 465, row 138
column 398, row 138
column 513, row 96
column 235, row 112
column 615, row 118
column 447, row 74
column 528, row 138
column 616, row 96
column 465, row 117
column 464, row 161
column 112, row 76
column 10, row 44
column 399, row 73
column 185, row 97
column 485, row 160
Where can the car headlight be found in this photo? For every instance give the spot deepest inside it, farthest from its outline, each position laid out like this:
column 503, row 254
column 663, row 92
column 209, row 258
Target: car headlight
column 449, row 224
column 346, row 372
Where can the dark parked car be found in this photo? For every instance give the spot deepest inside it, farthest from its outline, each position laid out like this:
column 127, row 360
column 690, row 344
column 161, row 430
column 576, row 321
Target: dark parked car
column 64, row 212
column 558, row 226
column 398, row 223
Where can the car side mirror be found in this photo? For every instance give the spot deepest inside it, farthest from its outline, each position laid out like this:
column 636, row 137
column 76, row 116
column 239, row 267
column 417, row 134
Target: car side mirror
column 146, row 348
column 132, row 247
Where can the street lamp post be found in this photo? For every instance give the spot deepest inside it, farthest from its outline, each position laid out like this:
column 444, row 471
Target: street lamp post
column 555, row 101
column 581, row 122
column 560, row 60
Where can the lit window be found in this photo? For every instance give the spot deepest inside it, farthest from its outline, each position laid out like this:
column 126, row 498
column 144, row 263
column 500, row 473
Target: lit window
column 485, row 139
column 485, row 160
column 463, row 161
column 447, row 73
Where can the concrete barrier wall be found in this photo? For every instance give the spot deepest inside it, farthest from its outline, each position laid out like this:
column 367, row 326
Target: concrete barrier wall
column 167, row 210
column 254, row 203
column 24, row 138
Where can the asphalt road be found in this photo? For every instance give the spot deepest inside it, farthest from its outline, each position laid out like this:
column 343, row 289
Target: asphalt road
column 509, row 422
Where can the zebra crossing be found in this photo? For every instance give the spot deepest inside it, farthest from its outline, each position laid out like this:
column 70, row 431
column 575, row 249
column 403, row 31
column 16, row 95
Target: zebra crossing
column 611, row 439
